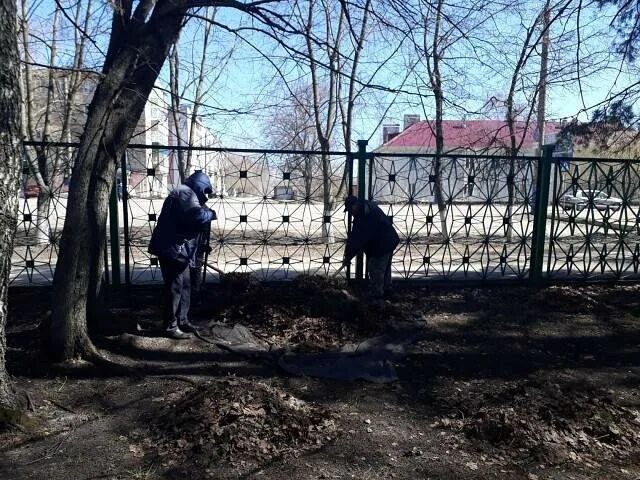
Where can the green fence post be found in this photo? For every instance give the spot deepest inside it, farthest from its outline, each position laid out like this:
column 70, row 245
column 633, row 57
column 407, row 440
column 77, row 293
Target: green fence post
column 362, row 168
column 114, row 233
column 539, row 234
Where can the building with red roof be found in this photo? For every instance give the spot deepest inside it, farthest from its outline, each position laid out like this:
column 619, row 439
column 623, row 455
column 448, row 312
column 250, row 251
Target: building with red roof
column 463, row 177
column 469, row 136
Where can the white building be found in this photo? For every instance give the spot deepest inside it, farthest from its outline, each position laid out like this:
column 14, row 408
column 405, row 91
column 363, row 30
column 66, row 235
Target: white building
column 187, row 130
column 151, row 172
column 148, row 168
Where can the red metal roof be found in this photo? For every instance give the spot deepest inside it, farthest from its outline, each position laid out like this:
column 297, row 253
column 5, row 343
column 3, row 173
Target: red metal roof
column 475, row 135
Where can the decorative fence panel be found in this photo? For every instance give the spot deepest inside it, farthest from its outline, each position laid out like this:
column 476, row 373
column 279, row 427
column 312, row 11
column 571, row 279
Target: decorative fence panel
column 280, row 214
column 46, row 170
column 459, row 217
column 594, row 226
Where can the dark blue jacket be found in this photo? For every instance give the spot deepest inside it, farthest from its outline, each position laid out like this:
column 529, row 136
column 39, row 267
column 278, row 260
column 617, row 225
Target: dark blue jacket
column 183, row 225
column 372, row 232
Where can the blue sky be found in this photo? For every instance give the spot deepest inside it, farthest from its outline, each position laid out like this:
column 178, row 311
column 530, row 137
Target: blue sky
column 246, row 81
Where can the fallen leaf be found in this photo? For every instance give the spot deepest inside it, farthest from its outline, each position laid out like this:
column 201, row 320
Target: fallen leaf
column 136, row 450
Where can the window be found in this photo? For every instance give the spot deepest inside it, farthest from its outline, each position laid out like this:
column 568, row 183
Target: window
column 155, row 154
column 469, row 164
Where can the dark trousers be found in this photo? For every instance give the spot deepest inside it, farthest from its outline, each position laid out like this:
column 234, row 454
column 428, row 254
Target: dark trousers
column 177, row 293
column 379, row 274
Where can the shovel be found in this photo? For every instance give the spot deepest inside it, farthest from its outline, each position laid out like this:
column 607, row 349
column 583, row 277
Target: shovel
column 338, row 271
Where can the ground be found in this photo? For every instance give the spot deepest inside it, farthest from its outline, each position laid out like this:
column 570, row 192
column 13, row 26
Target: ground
column 503, row 382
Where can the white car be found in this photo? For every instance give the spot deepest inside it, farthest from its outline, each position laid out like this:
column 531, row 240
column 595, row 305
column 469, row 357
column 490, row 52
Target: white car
column 582, row 199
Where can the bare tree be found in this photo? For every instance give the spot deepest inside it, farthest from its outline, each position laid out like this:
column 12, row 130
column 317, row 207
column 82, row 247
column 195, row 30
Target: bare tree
column 178, row 114
column 433, row 58
column 325, row 122
column 349, row 66
column 194, row 81
column 50, row 117
column 292, row 126
column 334, row 38
column 9, row 168
column 537, row 44
column 439, row 29
column 529, row 44
column 142, row 34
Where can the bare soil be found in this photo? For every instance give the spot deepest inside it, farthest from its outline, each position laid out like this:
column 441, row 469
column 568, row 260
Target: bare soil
column 506, row 382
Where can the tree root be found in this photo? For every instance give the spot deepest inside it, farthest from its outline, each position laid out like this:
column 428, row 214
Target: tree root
column 107, row 365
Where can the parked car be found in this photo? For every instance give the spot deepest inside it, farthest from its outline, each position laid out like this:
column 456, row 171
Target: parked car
column 582, row 198
column 284, row 193
column 31, row 190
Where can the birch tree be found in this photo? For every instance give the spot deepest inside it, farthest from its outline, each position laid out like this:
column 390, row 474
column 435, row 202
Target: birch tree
column 9, row 169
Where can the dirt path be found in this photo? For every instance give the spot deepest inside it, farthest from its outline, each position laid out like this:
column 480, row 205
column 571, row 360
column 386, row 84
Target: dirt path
column 505, row 383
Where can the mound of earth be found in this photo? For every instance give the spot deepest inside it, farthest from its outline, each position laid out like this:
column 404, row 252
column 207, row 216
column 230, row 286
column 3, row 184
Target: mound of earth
column 319, row 314
column 239, row 422
column 548, row 423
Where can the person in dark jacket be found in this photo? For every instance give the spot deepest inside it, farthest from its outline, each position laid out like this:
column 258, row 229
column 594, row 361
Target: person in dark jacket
column 177, row 240
column 372, row 233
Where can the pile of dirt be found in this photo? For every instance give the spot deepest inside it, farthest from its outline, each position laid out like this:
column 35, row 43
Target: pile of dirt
column 319, row 314
column 568, row 299
column 240, row 422
column 239, row 283
column 547, row 423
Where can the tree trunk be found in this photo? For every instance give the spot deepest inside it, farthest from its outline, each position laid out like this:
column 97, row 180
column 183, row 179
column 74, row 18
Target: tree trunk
column 542, row 85
column 43, row 209
column 436, row 81
column 308, row 176
column 134, row 60
column 9, row 169
column 178, row 155
column 327, row 234
column 513, row 151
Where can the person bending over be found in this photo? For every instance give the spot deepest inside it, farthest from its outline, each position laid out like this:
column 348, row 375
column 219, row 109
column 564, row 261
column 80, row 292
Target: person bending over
column 372, row 233
column 179, row 236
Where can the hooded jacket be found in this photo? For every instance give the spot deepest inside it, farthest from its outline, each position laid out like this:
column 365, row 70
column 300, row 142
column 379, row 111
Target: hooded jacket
column 372, row 232
column 183, row 223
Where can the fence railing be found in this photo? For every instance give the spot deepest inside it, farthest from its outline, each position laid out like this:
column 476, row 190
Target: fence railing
column 594, row 220
column 280, row 214
column 459, row 217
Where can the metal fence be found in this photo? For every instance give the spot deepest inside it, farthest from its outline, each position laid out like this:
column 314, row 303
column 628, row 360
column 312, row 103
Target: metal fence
column 276, row 215
column 594, row 226
column 45, row 177
column 460, row 217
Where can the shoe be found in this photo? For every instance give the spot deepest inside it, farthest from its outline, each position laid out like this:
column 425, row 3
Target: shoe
column 177, row 334
column 189, row 327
